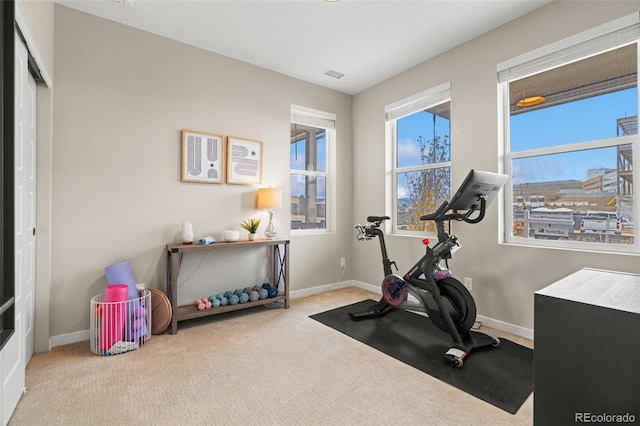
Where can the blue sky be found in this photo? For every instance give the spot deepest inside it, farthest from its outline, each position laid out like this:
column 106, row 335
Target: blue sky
column 410, row 128
column 589, row 119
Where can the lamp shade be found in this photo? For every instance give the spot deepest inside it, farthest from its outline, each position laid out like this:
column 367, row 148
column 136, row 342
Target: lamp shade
column 269, row 198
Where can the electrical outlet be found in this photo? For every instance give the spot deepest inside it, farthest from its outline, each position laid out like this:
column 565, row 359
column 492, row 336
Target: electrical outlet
column 468, row 283
column 343, row 262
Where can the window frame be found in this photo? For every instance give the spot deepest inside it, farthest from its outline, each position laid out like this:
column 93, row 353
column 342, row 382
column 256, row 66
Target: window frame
column 599, row 40
column 327, row 121
column 393, row 112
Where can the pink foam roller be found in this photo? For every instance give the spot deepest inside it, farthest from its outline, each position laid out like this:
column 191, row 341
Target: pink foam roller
column 113, row 315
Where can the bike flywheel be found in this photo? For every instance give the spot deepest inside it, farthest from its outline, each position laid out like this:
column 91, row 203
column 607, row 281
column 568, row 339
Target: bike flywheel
column 394, row 290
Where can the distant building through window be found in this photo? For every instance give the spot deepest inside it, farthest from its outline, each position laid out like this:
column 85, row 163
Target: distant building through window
column 571, row 131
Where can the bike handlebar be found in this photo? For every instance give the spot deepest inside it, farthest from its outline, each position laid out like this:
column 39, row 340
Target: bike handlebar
column 437, row 214
column 440, row 216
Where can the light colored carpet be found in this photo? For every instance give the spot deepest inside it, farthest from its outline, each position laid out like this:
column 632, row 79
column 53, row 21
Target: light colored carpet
column 262, row 366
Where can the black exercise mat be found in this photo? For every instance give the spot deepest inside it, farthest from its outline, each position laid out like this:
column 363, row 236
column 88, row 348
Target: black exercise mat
column 501, row 376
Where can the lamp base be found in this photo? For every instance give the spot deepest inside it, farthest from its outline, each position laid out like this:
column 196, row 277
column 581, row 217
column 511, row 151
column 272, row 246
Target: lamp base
column 270, row 232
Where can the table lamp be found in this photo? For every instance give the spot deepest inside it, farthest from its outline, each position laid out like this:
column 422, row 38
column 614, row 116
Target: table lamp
column 269, row 199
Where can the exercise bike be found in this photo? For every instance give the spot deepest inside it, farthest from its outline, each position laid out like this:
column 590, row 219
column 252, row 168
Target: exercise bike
column 446, row 300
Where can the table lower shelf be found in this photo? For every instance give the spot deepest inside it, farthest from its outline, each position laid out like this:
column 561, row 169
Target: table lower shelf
column 190, row 311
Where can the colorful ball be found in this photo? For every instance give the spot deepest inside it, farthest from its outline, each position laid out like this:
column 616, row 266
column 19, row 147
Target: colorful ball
column 233, row 300
column 253, row 296
column 244, row 298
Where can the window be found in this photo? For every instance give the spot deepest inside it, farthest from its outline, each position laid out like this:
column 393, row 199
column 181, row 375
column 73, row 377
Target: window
column 312, row 186
column 571, row 135
column 419, row 130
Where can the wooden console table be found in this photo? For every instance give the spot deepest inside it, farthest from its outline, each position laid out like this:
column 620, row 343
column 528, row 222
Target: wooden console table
column 279, row 274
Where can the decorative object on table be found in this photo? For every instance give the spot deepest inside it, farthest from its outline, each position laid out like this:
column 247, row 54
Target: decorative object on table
column 270, row 199
column 231, row 236
column 206, row 240
column 202, row 157
column 187, row 233
column 244, row 161
column 251, row 225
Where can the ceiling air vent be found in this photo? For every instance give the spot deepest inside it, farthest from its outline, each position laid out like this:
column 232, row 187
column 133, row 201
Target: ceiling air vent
column 334, row 73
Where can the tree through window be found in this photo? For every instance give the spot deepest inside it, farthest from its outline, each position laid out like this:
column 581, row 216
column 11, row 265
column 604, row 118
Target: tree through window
column 421, row 140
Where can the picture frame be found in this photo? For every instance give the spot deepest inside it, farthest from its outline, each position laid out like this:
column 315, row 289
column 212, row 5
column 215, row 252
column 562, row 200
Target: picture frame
column 244, row 161
column 203, row 157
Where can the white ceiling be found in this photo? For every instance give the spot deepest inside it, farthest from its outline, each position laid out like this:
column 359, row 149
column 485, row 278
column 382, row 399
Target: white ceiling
column 367, row 40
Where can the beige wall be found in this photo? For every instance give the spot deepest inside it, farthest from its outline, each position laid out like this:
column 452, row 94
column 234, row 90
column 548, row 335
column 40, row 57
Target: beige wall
column 122, row 97
column 504, row 277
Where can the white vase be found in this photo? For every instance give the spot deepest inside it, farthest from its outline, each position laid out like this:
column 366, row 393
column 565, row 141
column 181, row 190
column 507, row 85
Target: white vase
column 252, row 237
column 187, row 233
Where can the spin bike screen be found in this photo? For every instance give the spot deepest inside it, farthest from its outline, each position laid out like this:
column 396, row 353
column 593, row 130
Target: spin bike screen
column 475, row 184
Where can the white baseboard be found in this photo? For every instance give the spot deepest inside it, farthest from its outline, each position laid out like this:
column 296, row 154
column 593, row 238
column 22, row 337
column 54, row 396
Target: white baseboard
column 527, row 333
column 320, row 289
column 369, row 287
column 79, row 336
column 65, row 339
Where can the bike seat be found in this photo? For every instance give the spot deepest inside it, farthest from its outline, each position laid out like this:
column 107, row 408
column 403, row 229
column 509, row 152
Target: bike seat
column 374, row 219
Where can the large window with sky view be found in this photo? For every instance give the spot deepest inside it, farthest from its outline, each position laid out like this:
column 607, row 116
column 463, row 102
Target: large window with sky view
column 420, row 133
column 571, row 133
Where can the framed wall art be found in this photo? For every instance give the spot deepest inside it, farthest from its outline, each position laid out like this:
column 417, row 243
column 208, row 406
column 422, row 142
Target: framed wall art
column 203, row 158
column 244, row 161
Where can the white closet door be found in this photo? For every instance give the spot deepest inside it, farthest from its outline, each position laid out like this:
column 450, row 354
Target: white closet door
column 26, row 206
column 19, row 349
